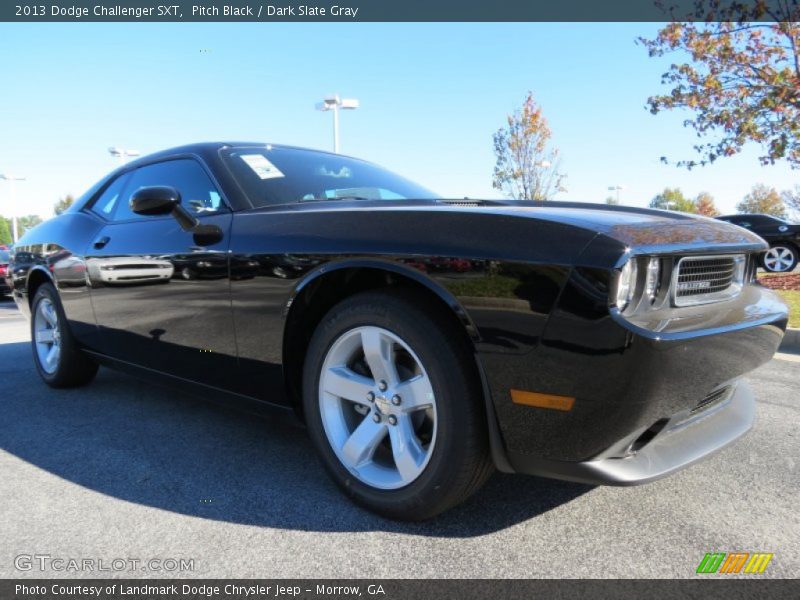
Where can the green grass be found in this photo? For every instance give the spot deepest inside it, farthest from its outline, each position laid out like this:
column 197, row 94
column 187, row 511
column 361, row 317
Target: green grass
column 792, row 298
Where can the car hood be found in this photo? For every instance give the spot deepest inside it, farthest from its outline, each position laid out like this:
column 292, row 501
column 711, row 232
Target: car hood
column 641, row 230
column 646, row 230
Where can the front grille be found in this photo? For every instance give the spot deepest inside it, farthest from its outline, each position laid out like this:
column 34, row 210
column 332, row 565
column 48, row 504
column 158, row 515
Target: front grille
column 129, row 266
column 703, row 279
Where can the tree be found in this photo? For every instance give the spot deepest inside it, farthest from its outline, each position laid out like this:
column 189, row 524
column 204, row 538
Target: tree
column 25, row 223
column 673, row 199
column 740, row 78
column 63, row 204
column 763, row 200
column 612, row 200
column 791, row 199
column 5, row 233
column 704, row 205
column 527, row 166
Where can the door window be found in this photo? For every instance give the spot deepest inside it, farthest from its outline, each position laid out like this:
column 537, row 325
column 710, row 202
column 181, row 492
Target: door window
column 107, row 202
column 198, row 194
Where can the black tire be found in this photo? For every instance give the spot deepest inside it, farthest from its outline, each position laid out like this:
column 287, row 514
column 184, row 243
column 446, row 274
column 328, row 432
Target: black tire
column 74, row 368
column 782, row 267
column 460, row 461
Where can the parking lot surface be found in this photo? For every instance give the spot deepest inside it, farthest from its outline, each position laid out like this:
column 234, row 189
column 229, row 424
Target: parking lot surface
column 125, row 469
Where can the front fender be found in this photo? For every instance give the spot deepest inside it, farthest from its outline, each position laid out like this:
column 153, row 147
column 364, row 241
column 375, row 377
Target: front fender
column 391, row 266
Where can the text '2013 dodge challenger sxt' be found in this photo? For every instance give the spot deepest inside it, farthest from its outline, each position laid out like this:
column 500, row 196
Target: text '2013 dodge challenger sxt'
column 424, row 342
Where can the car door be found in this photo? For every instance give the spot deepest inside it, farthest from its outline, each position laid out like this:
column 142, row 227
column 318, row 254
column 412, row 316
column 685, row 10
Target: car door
column 160, row 299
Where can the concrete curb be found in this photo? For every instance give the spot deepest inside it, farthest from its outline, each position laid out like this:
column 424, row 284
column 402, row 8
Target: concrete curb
column 791, row 341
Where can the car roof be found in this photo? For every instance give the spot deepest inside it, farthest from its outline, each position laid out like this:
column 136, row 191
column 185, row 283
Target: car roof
column 748, row 216
column 205, row 149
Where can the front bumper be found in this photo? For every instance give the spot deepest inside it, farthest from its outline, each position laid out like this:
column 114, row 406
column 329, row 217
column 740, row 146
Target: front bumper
column 624, row 379
column 682, row 441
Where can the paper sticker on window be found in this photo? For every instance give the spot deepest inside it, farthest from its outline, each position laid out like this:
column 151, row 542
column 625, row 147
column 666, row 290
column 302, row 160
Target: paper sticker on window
column 261, row 166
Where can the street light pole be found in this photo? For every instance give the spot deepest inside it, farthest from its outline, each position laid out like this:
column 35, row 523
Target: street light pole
column 336, row 145
column 335, row 103
column 11, row 189
column 122, row 153
column 616, row 188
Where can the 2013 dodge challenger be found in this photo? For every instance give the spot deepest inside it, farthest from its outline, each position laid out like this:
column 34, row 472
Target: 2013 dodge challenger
column 423, row 341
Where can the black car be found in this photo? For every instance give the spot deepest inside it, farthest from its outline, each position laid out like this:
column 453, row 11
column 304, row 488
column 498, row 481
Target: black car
column 424, row 342
column 783, row 239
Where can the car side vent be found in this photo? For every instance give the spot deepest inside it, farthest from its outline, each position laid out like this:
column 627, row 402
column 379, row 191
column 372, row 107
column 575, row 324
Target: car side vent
column 714, row 398
column 702, row 279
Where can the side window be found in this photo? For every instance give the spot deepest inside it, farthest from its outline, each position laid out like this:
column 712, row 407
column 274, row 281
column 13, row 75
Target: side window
column 198, row 193
column 107, row 202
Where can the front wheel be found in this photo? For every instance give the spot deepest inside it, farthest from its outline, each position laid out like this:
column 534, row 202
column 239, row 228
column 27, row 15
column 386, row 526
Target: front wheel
column 394, row 406
column 780, row 258
column 57, row 355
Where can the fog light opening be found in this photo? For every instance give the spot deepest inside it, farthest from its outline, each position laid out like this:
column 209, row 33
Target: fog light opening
column 647, row 436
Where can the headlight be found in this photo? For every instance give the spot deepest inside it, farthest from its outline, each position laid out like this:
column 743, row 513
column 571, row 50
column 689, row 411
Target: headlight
column 626, row 284
column 653, row 278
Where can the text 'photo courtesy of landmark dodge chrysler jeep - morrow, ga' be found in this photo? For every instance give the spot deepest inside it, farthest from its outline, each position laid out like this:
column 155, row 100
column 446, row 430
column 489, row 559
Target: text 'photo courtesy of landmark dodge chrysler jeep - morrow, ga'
column 424, row 342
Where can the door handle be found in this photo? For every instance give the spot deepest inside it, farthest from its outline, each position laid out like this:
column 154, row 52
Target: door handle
column 100, row 243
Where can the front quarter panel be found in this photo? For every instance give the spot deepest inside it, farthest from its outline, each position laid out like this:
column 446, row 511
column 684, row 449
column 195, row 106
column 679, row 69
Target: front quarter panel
column 55, row 250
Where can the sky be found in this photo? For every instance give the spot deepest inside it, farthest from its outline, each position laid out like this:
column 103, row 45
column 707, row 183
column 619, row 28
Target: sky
column 431, row 94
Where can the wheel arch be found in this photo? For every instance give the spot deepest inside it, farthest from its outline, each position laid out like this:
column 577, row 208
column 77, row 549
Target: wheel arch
column 331, row 283
column 36, row 277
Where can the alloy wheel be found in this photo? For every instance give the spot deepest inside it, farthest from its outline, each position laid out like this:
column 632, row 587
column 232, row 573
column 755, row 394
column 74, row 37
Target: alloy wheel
column 378, row 408
column 778, row 259
column 47, row 335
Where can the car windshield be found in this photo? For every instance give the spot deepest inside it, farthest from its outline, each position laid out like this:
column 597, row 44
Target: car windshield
column 3, row 256
column 272, row 175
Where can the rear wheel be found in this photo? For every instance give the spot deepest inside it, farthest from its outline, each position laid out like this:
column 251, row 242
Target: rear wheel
column 56, row 354
column 780, row 258
column 395, row 408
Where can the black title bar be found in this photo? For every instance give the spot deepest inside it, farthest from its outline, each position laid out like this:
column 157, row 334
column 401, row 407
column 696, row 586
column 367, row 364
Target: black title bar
column 732, row 588
column 395, row 10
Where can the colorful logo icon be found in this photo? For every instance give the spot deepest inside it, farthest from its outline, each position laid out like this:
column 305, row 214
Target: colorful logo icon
column 734, row 562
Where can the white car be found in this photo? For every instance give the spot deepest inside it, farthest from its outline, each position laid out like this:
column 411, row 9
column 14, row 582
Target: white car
column 125, row 269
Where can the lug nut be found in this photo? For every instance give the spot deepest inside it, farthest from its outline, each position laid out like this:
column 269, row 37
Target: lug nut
column 396, row 400
column 376, row 417
column 392, row 420
column 370, row 396
column 382, row 386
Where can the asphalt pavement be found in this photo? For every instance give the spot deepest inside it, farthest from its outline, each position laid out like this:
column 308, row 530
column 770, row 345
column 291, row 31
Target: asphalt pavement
column 123, row 470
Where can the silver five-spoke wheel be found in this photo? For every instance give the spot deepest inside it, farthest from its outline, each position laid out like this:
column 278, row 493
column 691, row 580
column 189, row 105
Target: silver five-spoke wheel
column 47, row 336
column 779, row 259
column 378, row 408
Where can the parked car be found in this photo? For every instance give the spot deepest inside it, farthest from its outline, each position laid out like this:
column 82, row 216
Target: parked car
column 5, row 287
column 783, row 239
column 585, row 342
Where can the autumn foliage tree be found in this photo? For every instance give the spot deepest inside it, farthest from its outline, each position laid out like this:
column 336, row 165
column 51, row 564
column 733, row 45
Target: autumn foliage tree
column 527, row 165
column 704, row 205
column 791, row 198
column 763, row 200
column 738, row 75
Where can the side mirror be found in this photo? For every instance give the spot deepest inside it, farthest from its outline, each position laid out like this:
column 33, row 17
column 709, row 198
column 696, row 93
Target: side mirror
column 155, row 200
column 158, row 200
